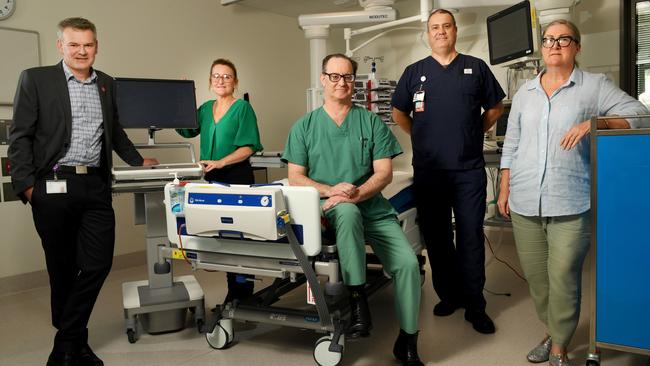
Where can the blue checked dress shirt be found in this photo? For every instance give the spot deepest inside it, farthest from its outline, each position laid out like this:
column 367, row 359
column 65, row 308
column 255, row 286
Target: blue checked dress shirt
column 87, row 121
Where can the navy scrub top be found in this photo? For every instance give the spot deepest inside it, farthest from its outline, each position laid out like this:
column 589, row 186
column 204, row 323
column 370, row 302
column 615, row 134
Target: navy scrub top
column 448, row 134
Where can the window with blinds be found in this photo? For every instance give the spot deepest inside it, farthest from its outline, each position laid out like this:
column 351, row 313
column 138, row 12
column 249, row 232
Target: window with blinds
column 643, row 46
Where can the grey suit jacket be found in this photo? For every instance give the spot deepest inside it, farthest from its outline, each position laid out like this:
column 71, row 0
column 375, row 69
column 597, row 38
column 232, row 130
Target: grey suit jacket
column 42, row 126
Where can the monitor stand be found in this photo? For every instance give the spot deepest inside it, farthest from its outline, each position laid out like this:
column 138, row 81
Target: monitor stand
column 160, row 303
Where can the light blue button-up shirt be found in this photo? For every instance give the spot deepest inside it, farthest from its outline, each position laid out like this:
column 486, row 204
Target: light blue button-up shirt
column 545, row 179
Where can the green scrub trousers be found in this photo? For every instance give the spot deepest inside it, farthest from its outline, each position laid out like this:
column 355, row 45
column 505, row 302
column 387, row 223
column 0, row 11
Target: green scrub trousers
column 389, row 243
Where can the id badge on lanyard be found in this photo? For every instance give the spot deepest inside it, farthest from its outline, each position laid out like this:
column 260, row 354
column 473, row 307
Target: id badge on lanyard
column 418, row 99
column 418, row 96
column 56, row 185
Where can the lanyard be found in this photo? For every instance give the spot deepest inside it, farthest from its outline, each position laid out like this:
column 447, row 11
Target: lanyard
column 55, row 169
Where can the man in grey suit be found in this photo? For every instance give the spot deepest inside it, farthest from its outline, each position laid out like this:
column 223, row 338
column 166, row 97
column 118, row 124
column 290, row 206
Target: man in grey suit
column 64, row 131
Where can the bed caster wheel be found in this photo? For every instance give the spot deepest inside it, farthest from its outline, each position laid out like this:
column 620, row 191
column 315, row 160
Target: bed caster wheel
column 222, row 334
column 593, row 359
column 323, row 356
column 130, row 334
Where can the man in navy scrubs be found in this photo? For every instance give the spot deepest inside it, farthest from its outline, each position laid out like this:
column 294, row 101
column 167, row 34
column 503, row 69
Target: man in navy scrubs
column 438, row 102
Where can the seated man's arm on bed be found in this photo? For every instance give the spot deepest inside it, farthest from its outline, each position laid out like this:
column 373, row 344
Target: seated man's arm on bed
column 298, row 177
column 381, row 177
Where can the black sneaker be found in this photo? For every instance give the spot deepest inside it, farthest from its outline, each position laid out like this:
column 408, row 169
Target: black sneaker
column 480, row 321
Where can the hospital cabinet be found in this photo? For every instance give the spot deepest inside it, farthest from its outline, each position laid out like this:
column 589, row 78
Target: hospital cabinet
column 620, row 256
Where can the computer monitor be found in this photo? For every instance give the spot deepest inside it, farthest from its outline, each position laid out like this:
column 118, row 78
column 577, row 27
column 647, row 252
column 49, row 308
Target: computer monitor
column 502, row 124
column 513, row 35
column 156, row 103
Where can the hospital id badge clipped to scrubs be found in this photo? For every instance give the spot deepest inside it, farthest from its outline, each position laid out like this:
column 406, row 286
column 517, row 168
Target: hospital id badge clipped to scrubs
column 418, row 99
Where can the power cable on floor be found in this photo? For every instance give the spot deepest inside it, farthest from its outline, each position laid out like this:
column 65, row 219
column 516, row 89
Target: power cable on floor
column 497, row 293
column 502, row 261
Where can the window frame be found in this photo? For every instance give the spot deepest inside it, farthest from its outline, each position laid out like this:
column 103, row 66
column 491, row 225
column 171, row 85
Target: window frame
column 629, row 49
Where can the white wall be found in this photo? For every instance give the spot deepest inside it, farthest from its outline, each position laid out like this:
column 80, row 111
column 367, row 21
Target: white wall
column 167, row 39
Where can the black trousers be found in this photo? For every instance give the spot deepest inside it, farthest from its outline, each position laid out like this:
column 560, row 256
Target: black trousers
column 239, row 173
column 457, row 271
column 77, row 231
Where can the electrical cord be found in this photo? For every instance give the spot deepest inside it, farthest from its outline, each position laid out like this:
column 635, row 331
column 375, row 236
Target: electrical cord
column 502, row 261
column 496, row 293
column 180, row 244
column 493, row 180
column 507, row 264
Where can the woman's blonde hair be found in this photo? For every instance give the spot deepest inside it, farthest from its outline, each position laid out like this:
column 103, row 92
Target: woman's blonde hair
column 570, row 25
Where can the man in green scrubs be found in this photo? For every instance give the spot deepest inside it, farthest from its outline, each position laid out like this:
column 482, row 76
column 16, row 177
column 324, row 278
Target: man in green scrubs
column 345, row 152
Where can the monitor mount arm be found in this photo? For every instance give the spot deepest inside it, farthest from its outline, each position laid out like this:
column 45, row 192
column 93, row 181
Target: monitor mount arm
column 152, row 135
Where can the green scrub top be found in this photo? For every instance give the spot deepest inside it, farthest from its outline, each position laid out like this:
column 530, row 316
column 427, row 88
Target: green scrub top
column 237, row 128
column 333, row 154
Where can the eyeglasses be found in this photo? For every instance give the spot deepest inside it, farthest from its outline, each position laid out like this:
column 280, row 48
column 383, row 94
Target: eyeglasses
column 334, row 77
column 563, row 41
column 75, row 47
column 225, row 77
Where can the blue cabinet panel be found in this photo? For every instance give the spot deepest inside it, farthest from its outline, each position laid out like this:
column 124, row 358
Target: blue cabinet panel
column 623, row 240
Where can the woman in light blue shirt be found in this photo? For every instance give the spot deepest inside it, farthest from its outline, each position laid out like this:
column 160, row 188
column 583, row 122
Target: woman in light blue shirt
column 545, row 183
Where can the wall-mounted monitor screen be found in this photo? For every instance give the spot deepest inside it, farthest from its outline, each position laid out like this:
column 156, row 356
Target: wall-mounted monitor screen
column 155, row 103
column 511, row 33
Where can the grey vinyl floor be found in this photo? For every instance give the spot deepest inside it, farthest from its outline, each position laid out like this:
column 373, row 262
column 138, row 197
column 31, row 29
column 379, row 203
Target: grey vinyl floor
column 26, row 336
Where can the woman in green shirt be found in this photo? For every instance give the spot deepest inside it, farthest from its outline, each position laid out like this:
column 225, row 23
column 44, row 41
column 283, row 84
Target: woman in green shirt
column 229, row 136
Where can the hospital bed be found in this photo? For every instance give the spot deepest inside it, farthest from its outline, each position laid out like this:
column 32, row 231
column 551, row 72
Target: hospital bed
column 274, row 231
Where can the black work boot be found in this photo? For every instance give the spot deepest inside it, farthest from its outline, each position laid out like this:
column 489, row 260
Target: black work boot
column 406, row 349
column 360, row 322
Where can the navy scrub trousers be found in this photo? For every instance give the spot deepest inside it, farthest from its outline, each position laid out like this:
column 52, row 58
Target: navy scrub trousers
column 457, row 272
